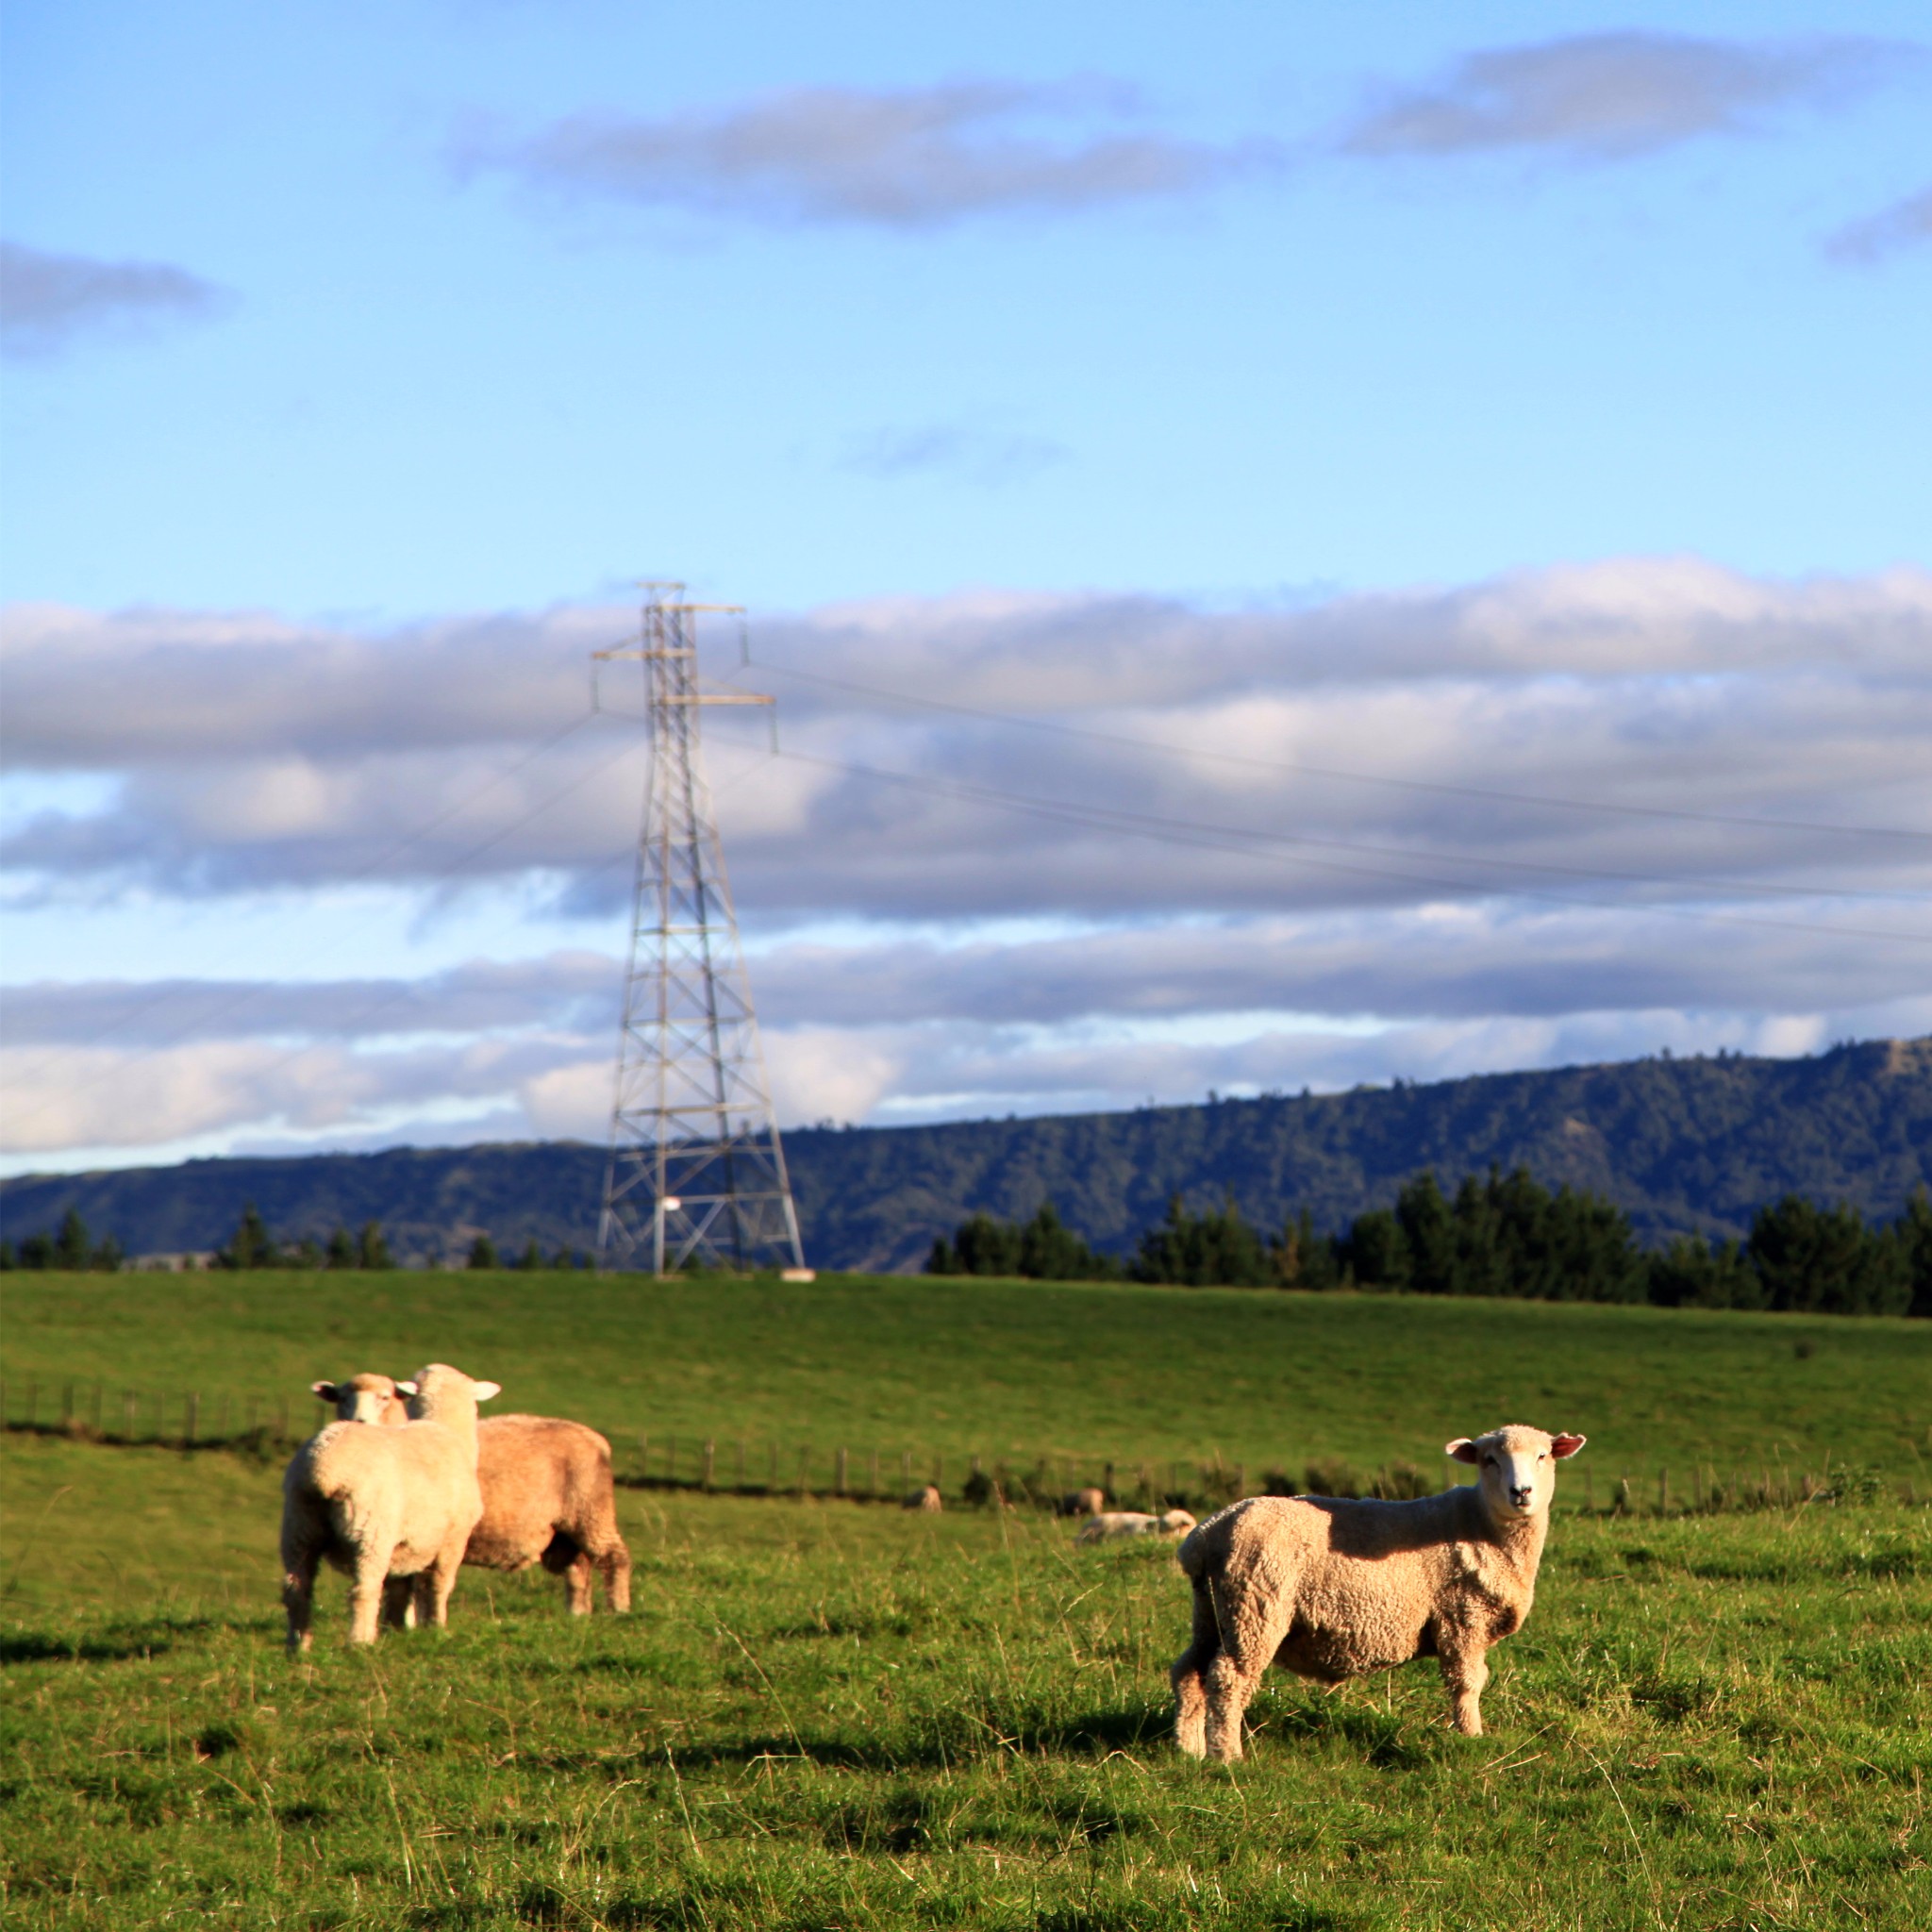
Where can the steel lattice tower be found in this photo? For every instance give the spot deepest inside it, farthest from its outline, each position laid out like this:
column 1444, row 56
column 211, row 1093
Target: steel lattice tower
column 696, row 1169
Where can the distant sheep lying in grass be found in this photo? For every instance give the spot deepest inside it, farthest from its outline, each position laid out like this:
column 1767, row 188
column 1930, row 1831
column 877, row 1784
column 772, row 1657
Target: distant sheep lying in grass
column 927, row 1499
column 1331, row 1589
column 1087, row 1501
column 548, row 1498
column 385, row 1502
column 1110, row 1523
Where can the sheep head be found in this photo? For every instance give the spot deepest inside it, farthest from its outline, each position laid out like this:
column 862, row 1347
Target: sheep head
column 1518, row 1468
column 366, row 1398
column 438, row 1387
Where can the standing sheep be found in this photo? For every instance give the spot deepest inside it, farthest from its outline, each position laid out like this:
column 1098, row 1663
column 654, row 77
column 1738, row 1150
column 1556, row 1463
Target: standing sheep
column 385, row 1502
column 548, row 1498
column 1331, row 1589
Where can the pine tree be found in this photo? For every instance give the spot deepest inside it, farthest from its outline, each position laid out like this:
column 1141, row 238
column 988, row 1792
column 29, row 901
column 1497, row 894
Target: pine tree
column 71, row 1248
column 372, row 1251
column 482, row 1252
column 341, row 1248
column 250, row 1246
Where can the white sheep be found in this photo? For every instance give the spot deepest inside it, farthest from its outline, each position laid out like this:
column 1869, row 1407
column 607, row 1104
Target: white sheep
column 1331, row 1589
column 1110, row 1523
column 1087, row 1501
column 927, row 1499
column 377, row 1503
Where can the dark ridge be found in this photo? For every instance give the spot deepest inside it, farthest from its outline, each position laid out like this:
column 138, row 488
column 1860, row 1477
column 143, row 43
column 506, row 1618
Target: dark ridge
column 1682, row 1145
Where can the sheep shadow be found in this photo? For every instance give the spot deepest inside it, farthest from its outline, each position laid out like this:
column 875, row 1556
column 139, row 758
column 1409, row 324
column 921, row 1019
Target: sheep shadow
column 37, row 1647
column 932, row 1747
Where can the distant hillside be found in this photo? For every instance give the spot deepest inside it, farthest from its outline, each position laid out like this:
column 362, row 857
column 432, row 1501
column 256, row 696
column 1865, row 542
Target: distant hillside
column 1679, row 1144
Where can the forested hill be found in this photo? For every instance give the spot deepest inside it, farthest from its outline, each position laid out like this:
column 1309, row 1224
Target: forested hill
column 1680, row 1143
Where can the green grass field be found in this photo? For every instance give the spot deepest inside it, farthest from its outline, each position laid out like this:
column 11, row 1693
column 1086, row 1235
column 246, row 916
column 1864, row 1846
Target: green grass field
column 823, row 1715
column 1011, row 1371
column 827, row 1716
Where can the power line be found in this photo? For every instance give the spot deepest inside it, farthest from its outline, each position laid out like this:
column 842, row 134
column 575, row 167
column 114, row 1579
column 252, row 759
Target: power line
column 1333, row 771
column 1218, row 837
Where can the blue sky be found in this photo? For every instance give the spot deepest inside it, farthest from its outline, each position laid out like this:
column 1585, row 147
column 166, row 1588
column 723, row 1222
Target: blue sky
column 1529, row 403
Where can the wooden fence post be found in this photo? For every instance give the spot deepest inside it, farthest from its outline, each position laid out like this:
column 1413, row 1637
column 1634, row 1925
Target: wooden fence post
column 191, row 1415
column 906, row 1468
column 1106, row 1481
column 33, row 1403
column 838, row 1480
column 709, row 1452
column 127, row 1415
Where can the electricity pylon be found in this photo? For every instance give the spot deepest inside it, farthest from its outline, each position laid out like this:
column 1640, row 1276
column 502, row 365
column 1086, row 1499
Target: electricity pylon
column 696, row 1169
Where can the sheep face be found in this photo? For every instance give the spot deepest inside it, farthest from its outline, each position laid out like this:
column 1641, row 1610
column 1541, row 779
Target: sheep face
column 1518, row 1468
column 365, row 1398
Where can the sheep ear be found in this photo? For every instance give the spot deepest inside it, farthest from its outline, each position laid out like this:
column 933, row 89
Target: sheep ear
column 486, row 1389
column 1567, row 1445
column 1462, row 1449
column 325, row 1389
column 405, row 1387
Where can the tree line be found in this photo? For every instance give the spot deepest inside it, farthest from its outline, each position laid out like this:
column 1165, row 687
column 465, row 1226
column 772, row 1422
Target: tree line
column 253, row 1245
column 1503, row 1235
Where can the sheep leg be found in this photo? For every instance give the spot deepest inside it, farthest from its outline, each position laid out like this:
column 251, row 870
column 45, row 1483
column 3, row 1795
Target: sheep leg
column 1465, row 1672
column 298, row 1596
column 1249, row 1638
column 1189, row 1692
column 576, row 1585
column 614, row 1565
column 434, row 1585
column 367, row 1590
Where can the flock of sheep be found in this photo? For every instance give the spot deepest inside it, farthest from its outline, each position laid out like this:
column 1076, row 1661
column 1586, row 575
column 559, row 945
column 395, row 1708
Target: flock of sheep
column 408, row 1484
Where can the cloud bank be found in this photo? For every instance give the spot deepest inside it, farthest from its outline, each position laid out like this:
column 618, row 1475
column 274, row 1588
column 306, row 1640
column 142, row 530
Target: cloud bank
column 1017, row 852
column 51, row 303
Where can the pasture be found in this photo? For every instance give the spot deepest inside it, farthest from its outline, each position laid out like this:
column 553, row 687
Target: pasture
column 824, row 1714
column 1012, row 1371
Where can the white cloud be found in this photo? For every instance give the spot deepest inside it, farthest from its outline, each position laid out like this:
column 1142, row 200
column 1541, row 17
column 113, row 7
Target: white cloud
column 1905, row 224
column 49, row 303
column 1607, row 96
column 904, row 158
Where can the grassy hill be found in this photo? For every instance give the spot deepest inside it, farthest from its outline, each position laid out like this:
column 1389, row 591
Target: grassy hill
column 1008, row 1371
column 1681, row 1144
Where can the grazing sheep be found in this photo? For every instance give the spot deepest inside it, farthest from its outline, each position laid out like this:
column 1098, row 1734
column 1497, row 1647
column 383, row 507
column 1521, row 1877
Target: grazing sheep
column 547, row 1498
column 377, row 1503
column 1110, row 1523
column 927, row 1499
column 1332, row 1588
column 367, row 1399
column 1087, row 1501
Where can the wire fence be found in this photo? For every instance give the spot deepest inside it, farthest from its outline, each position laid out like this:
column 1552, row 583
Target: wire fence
column 263, row 1426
